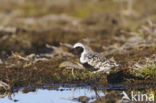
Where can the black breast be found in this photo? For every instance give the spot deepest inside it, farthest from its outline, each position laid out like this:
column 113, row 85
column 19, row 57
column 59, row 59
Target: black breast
column 89, row 67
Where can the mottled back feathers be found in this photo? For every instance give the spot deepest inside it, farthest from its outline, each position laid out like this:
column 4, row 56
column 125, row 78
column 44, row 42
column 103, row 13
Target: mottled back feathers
column 95, row 62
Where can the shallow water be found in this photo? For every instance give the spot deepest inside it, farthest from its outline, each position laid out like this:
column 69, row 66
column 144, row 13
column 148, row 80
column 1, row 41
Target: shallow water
column 71, row 93
column 59, row 95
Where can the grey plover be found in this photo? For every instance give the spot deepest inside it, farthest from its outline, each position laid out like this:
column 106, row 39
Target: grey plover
column 93, row 61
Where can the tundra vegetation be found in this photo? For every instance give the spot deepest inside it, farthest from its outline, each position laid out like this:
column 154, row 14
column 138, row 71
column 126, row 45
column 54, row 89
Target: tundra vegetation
column 36, row 38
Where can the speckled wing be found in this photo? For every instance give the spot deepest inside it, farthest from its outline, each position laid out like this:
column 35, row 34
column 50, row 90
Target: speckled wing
column 98, row 61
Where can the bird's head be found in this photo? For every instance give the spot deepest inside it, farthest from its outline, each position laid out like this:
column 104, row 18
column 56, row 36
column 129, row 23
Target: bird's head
column 79, row 45
column 78, row 48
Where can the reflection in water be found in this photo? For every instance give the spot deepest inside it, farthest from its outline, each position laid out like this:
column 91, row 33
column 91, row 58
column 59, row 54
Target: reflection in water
column 74, row 94
column 60, row 95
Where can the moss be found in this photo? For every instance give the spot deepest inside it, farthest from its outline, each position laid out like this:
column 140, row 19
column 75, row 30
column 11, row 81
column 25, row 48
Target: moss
column 153, row 47
column 100, row 20
column 150, row 70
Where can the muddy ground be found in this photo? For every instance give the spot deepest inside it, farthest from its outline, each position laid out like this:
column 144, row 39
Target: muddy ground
column 36, row 38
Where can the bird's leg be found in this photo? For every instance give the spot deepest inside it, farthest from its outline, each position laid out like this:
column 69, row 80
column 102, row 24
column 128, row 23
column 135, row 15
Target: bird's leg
column 73, row 72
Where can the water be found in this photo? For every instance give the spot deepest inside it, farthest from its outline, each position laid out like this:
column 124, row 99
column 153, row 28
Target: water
column 59, row 95
column 70, row 93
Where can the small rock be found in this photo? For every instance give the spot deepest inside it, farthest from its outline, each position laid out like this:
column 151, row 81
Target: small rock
column 83, row 99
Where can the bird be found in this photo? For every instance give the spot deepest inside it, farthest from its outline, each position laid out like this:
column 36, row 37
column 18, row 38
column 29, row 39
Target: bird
column 93, row 61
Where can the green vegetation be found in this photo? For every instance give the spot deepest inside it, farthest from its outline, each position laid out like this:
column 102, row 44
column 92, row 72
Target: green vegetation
column 150, row 70
column 27, row 27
